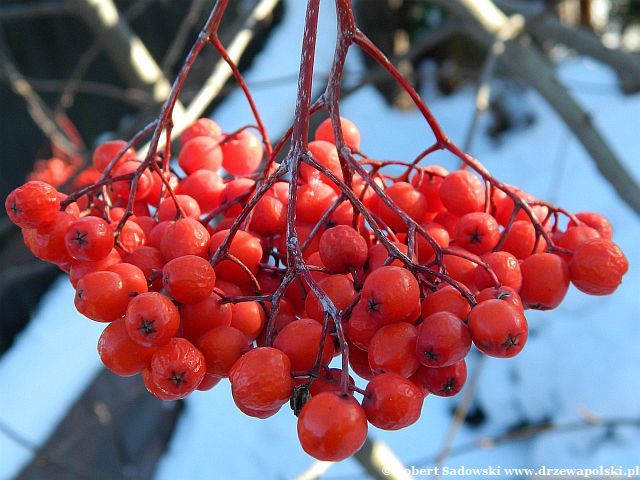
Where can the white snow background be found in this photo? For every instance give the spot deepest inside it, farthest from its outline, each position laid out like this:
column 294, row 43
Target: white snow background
column 581, row 357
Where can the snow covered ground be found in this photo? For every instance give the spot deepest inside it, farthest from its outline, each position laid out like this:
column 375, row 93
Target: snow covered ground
column 582, row 357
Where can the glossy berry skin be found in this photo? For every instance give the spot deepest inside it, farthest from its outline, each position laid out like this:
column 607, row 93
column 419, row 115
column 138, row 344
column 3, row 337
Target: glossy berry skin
column 133, row 278
column 79, row 268
column 261, row 379
column 443, row 339
column 342, row 249
column 222, row 347
column 443, row 382
column 184, row 237
column 392, row 402
column 269, row 217
column 149, row 260
column 108, row 151
column 545, row 281
column 101, row 296
column 460, row 268
column 202, row 127
column 188, row 279
column 462, row 192
column 248, row 317
column 177, row 368
column 89, row 238
column 131, row 237
column 362, row 327
column 119, row 353
column 314, row 198
column 205, row 187
column 504, row 293
column 332, row 427
column 573, row 237
column 300, row 341
column 438, row 233
column 359, row 362
column 378, row 256
column 33, row 204
column 428, row 183
column 520, row 239
column 596, row 221
column 446, row 299
column 208, row 382
column 408, row 199
column 245, row 247
column 122, row 188
column 167, row 210
column 477, row 232
column 506, row 268
column 498, row 329
column 390, row 294
column 329, row 381
column 597, row 267
column 152, row 319
column 242, row 153
column 199, row 318
column 48, row 242
column 325, row 154
column 350, row 133
column 393, row 350
column 339, row 288
column 200, row 153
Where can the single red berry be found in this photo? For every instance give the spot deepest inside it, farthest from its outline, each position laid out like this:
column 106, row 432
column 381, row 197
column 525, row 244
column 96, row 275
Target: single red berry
column 177, row 368
column 300, row 341
column 428, row 182
column 573, row 237
column 202, row 127
column 596, row 221
column 151, row 262
column 390, row 294
column 460, row 268
column 332, row 427
column 108, row 151
column 131, row 238
column 498, row 329
column 208, row 382
column 424, row 248
column 446, row 299
column 314, row 198
column 188, row 279
column 462, row 192
column 101, row 296
column 359, row 362
column 269, row 217
column 152, row 319
column 244, row 247
column 242, row 153
column 221, row 347
column 328, row 380
column 339, row 289
column 443, row 382
column 545, row 281
column 237, row 191
column 505, row 267
column 132, row 277
column 342, row 249
column 378, row 256
column 392, row 402
column 443, row 339
column 200, row 153
column 189, row 205
column 477, row 232
column 119, row 353
column 205, row 187
column 261, row 379
column 48, row 242
column 184, row 237
column 597, row 267
column 249, row 318
column 325, row 154
column 520, row 239
column 122, row 188
column 408, row 200
column 81, row 268
column 362, row 326
column 32, row 205
column 504, row 293
column 393, row 350
column 350, row 133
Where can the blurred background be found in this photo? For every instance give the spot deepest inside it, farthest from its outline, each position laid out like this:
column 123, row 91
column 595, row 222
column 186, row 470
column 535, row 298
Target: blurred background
column 544, row 93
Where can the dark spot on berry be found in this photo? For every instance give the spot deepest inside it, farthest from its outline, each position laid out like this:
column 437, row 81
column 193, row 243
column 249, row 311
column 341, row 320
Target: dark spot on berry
column 14, row 208
column 503, row 295
column 449, row 385
column 147, row 326
column 511, row 341
column 177, row 378
column 431, row 355
column 373, row 306
column 81, row 238
column 475, row 237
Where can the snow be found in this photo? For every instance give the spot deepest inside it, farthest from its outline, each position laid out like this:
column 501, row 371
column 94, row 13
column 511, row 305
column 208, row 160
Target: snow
column 581, row 357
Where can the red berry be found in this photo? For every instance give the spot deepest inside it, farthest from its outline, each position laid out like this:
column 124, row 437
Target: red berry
column 350, row 133
column 520, row 239
column 33, row 204
column 446, row 299
column 237, row 190
column 242, row 153
column 393, row 350
column 506, row 268
column 407, row 199
column 152, row 319
column 314, row 198
column 269, row 217
column 596, row 221
column 150, row 261
column 133, row 278
column 325, row 154
column 424, row 249
column 199, row 318
column 188, row 279
column 122, row 188
column 342, row 249
column 261, row 379
column 200, row 153
column 332, row 427
column 443, row 339
column 444, row 381
column 48, row 242
column 300, row 341
column 597, row 267
column 108, row 151
column 390, row 294
column 504, row 293
column 245, row 247
column 477, row 232
column 81, row 268
column 184, row 237
column 249, row 318
column 167, row 210
column 101, row 296
column 392, row 402
column 339, row 289
column 498, row 328
column 205, row 187
column 119, row 353
column 462, row 192
column 545, row 281
column 177, row 368
column 202, row 127
column 221, row 347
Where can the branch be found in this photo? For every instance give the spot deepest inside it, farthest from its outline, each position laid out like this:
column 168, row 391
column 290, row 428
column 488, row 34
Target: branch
column 524, row 60
column 127, row 52
column 583, row 41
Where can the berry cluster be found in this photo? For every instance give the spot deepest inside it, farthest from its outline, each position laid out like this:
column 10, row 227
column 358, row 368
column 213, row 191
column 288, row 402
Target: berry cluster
column 193, row 272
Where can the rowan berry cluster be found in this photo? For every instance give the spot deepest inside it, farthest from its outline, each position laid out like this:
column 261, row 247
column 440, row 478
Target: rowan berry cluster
column 405, row 274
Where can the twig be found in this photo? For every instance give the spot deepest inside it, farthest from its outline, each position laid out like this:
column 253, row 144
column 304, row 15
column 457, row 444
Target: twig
column 181, row 36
